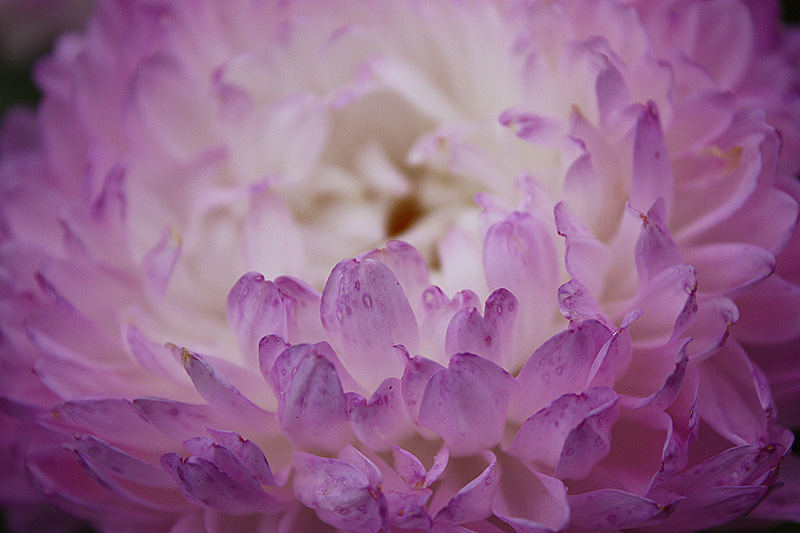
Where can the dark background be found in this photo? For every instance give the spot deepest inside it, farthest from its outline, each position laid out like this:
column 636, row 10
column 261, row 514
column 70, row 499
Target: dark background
column 16, row 88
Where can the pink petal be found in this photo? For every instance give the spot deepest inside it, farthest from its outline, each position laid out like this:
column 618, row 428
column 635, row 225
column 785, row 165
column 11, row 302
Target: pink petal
column 312, row 409
column 177, row 420
column 248, row 453
column 255, row 309
column 732, row 398
column 366, row 313
column 655, row 249
column 530, row 502
column 111, row 420
column 612, row 360
column 474, row 501
column 466, row 404
column 301, row 302
column 339, row 492
column 652, row 175
column 726, row 267
column 769, row 302
column 117, row 462
column 665, row 396
column 201, row 481
column 153, row 356
column 668, row 301
column 714, row 507
column 408, row 467
column 534, row 128
column 269, row 348
column 612, row 509
column 382, row 419
column 735, row 467
column 224, row 459
column 488, row 336
column 699, row 119
column 577, row 304
column 519, row 255
column 437, row 312
column 159, row 262
column 570, row 436
column 560, row 365
column 407, row 264
column 415, row 379
column 587, row 258
column 219, row 392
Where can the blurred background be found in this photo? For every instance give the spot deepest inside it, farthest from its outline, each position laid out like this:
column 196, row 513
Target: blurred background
column 27, row 31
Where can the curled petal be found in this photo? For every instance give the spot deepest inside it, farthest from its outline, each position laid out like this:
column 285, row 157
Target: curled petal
column 311, row 404
column 255, row 309
column 655, row 249
column 218, row 391
column 587, row 258
column 577, row 304
column 488, row 336
column 203, row 482
column 571, row 435
column 382, row 419
column 612, row 509
column 407, row 264
column 339, row 492
column 466, row 403
column 366, row 313
column 474, row 501
column 160, row 261
column 652, row 175
column 562, row 364
column 415, row 378
column 302, row 310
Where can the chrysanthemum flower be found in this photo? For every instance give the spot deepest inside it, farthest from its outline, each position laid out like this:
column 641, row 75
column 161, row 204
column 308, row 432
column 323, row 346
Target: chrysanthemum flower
column 405, row 265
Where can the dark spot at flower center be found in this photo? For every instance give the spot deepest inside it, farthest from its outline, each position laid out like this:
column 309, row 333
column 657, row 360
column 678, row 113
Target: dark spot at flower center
column 402, row 215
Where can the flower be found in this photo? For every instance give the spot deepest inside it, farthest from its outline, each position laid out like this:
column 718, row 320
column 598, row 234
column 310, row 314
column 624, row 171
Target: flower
column 405, row 264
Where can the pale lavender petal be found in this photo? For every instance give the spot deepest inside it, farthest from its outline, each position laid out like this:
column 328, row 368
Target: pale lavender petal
column 255, row 309
column 202, row 481
column 613, row 509
column 577, row 304
column 770, row 301
column 664, row 396
column 415, row 379
column 652, row 175
column 734, row 265
column 466, row 403
column 474, row 501
column 612, row 360
column 408, row 467
column 117, row 462
column 248, row 453
column 152, row 355
column 219, row 392
column 176, row 420
column 655, row 249
column 381, row 419
column 531, row 502
column 570, row 436
column 339, row 492
column 668, row 301
column 560, row 365
column 587, row 258
column 159, row 262
column 488, row 336
column 407, row 264
column 312, row 408
column 366, row 313
column 732, row 398
column 301, row 302
column 269, row 348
